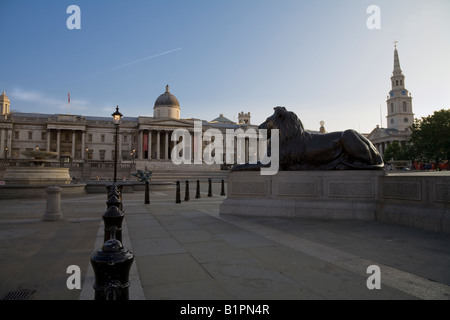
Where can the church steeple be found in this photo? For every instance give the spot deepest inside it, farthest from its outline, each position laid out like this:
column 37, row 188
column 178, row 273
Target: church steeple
column 399, row 102
column 397, row 69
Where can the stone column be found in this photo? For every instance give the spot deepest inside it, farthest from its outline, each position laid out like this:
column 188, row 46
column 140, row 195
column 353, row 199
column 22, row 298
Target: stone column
column 166, row 146
column 49, row 135
column 149, row 148
column 158, row 145
column 58, row 143
column 73, row 144
column 119, row 149
column 140, row 144
column 2, row 143
column 53, row 208
column 9, row 142
column 83, row 145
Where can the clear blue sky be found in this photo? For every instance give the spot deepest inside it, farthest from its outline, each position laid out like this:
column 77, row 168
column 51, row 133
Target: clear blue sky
column 317, row 58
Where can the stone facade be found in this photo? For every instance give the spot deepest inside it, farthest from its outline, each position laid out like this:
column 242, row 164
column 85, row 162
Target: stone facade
column 143, row 141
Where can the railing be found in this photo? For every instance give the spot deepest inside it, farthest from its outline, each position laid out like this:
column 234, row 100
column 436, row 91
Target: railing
column 57, row 164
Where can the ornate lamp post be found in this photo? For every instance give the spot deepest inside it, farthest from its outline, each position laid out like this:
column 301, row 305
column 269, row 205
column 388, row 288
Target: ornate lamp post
column 117, row 116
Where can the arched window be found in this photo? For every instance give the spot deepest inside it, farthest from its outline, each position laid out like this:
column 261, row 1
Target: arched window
column 404, row 106
column 392, row 108
column 396, row 82
column 401, row 82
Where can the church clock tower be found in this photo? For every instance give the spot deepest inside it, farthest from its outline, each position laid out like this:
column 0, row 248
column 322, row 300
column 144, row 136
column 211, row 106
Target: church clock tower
column 399, row 103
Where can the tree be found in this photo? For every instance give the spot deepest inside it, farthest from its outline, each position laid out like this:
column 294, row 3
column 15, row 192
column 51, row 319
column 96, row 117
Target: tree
column 393, row 152
column 430, row 136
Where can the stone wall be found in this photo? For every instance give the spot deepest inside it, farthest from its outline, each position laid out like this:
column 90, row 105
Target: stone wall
column 421, row 201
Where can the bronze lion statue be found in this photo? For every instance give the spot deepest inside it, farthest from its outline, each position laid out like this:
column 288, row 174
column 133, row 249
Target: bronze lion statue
column 302, row 150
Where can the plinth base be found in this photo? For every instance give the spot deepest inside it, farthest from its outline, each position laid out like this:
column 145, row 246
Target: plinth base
column 307, row 194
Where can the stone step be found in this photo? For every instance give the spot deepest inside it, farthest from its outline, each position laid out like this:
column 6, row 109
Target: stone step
column 202, row 176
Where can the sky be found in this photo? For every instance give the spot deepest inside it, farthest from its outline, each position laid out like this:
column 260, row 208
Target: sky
column 316, row 58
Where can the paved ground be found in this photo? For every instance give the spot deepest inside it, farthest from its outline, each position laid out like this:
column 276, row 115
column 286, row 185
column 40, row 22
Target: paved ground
column 188, row 251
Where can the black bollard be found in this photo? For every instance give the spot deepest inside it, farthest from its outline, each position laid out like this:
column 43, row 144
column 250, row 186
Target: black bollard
column 209, row 188
column 147, row 192
column 111, row 265
column 222, row 193
column 197, row 193
column 112, row 220
column 178, row 196
column 116, row 190
column 113, row 201
column 186, row 195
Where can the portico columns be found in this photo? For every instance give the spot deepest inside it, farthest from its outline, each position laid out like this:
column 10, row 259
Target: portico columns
column 158, row 145
column 58, row 143
column 49, row 133
column 166, row 147
column 141, row 144
column 149, row 147
column 83, row 145
column 73, row 144
column 2, row 143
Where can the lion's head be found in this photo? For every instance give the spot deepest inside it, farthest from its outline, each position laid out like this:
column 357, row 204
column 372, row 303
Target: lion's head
column 287, row 122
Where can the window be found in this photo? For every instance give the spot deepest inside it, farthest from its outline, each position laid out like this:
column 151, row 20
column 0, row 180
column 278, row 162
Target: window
column 401, row 82
column 102, row 154
column 90, row 137
column 102, row 138
column 43, row 135
column 125, row 138
column 404, row 106
column 67, row 137
column 396, row 82
column 16, row 134
column 392, row 108
column 30, row 135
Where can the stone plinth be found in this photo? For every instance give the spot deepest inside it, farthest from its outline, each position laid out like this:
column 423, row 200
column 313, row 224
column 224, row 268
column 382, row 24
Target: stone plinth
column 307, row 194
column 420, row 200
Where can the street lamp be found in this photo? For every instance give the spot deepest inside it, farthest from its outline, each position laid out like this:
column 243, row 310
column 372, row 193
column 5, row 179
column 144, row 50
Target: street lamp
column 116, row 118
column 86, row 154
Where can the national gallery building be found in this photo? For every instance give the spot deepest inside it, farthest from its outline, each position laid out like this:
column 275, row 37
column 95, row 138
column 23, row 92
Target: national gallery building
column 144, row 142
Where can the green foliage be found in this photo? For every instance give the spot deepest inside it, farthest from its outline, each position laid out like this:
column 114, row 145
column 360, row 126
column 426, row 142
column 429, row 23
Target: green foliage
column 430, row 137
column 396, row 151
column 143, row 176
column 392, row 151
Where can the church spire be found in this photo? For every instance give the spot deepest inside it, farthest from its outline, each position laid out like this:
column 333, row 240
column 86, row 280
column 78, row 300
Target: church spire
column 397, row 69
column 399, row 103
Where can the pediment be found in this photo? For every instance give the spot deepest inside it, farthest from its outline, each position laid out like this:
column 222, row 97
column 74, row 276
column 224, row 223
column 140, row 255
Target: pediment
column 161, row 123
column 378, row 134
